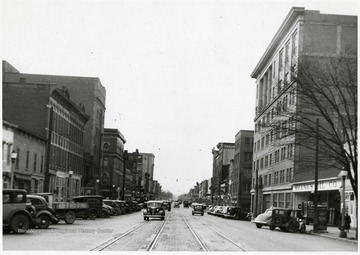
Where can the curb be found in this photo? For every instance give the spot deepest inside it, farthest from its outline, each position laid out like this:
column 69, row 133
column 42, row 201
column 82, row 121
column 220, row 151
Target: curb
column 333, row 237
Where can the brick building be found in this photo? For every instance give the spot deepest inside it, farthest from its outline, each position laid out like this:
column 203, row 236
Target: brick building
column 89, row 94
column 47, row 113
column 280, row 177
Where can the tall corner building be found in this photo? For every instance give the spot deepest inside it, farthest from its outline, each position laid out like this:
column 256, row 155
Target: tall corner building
column 279, row 178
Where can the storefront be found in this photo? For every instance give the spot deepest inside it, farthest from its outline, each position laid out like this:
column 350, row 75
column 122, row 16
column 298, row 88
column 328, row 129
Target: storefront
column 329, row 196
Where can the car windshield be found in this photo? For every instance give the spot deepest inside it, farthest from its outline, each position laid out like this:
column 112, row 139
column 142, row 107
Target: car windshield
column 154, row 204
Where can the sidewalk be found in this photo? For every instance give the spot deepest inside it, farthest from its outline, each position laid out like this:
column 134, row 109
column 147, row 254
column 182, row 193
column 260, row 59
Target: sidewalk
column 333, row 232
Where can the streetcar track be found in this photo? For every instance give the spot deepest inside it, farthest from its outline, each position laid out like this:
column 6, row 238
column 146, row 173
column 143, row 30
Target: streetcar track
column 108, row 243
column 202, row 244
column 157, row 235
column 223, row 236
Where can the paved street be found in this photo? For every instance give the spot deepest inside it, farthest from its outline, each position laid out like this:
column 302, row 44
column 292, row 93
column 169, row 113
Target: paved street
column 179, row 232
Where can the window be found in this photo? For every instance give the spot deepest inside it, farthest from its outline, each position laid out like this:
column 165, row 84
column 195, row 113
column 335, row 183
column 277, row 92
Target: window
column 288, row 200
column 281, row 199
column 276, row 156
column 276, row 178
column 42, row 164
column 282, row 176
column 35, row 159
column 262, row 142
column 261, row 163
column 270, row 159
column 266, row 160
column 267, row 139
column 27, row 160
column 269, row 180
column 275, row 200
column 17, row 158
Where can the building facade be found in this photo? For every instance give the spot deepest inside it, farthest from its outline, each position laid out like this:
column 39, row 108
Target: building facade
column 89, row 94
column 113, row 164
column 280, row 176
column 220, row 179
column 47, row 113
column 241, row 176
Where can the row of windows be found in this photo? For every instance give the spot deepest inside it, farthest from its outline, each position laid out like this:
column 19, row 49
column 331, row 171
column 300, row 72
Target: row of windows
column 37, row 164
column 278, row 177
column 282, row 130
column 280, row 108
column 286, row 152
column 265, row 90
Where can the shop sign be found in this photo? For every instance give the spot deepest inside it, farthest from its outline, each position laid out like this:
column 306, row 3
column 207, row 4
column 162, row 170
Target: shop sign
column 322, row 185
column 61, row 174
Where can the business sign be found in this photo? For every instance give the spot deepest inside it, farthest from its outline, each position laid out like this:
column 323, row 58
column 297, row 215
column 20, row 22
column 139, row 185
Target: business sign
column 322, row 186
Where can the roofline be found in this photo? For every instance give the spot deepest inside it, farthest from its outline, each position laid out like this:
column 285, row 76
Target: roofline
column 294, row 12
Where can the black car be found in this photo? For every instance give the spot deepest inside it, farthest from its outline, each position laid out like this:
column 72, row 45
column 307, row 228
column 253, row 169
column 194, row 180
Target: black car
column 95, row 205
column 237, row 213
column 154, row 209
column 45, row 213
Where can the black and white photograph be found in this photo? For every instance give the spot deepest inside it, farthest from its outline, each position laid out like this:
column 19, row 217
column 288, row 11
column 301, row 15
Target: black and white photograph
column 179, row 126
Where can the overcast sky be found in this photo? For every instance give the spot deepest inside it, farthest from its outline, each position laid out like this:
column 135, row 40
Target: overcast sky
column 176, row 73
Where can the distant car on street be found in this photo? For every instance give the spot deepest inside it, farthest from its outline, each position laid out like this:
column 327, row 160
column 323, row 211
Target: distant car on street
column 198, row 209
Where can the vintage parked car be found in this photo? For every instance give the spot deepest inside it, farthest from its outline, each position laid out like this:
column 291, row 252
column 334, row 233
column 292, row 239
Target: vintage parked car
column 95, row 203
column 176, row 204
column 115, row 205
column 287, row 220
column 198, row 209
column 45, row 213
column 218, row 210
column 18, row 214
column 264, row 219
column 210, row 209
column 232, row 212
column 154, row 209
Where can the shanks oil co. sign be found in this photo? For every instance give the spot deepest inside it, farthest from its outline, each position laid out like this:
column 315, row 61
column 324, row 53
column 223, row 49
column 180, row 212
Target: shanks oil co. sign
column 322, row 185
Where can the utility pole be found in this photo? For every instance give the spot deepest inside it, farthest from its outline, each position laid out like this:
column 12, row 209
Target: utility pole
column 124, row 174
column 48, row 151
column 315, row 226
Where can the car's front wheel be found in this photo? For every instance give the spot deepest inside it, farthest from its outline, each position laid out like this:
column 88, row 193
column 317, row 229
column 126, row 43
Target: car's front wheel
column 258, row 225
column 272, row 227
column 44, row 221
column 19, row 223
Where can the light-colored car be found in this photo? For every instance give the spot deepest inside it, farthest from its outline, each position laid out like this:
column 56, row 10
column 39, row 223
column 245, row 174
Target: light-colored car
column 264, row 219
column 154, row 209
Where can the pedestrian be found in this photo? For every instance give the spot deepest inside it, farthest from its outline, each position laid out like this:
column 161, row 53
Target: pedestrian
column 347, row 222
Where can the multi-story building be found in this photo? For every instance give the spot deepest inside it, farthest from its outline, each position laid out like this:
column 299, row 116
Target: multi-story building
column 23, row 158
column 47, row 113
column 147, row 164
column 111, row 183
column 221, row 166
column 89, row 94
column 241, row 176
column 280, row 175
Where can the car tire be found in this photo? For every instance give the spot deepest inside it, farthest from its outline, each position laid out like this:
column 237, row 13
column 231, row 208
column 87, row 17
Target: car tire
column 20, row 223
column 272, row 228
column 202, row 214
column 92, row 214
column 162, row 218
column 44, row 221
column 69, row 217
column 277, row 221
column 258, row 225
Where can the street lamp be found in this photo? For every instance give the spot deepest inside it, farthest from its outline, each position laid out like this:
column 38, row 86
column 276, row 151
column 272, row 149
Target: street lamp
column 97, row 186
column 343, row 175
column 13, row 160
column 113, row 191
